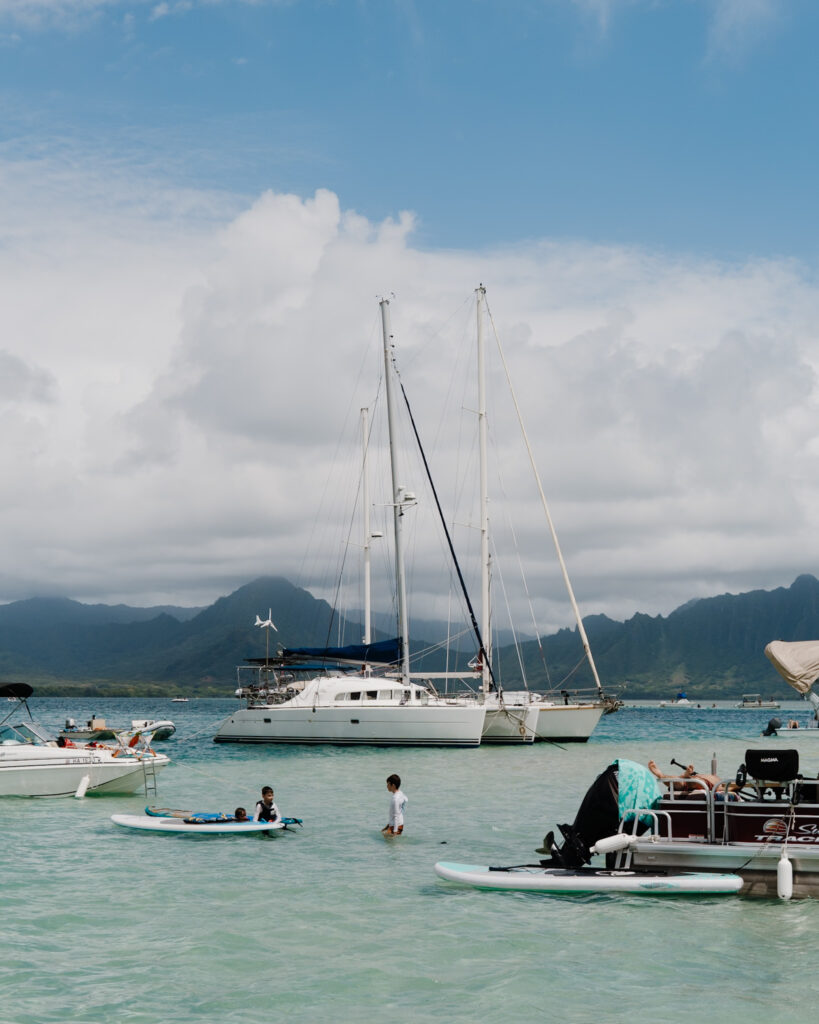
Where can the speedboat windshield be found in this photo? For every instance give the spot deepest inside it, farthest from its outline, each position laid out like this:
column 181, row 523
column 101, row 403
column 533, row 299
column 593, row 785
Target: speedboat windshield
column 24, row 733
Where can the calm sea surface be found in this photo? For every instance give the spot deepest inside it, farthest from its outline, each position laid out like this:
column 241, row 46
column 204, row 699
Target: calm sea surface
column 333, row 923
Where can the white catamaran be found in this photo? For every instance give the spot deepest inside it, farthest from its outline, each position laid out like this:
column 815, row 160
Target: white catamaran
column 382, row 704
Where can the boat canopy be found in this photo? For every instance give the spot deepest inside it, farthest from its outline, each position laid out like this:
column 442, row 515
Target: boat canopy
column 797, row 663
column 385, row 652
column 16, row 691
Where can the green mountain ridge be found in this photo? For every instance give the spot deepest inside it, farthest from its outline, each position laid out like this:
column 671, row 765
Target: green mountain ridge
column 713, row 647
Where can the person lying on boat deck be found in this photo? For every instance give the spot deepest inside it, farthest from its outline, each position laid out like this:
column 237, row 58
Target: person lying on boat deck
column 266, row 810
column 398, row 804
column 688, row 781
column 240, row 814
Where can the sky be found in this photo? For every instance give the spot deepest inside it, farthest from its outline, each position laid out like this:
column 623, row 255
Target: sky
column 202, row 203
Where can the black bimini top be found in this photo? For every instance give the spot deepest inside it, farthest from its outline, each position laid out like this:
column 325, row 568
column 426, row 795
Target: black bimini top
column 17, row 691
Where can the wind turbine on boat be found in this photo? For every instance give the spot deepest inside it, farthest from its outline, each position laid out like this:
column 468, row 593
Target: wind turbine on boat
column 266, row 624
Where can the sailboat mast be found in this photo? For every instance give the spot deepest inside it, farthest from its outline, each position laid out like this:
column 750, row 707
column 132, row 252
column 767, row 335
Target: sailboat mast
column 480, row 294
column 365, row 499
column 397, row 496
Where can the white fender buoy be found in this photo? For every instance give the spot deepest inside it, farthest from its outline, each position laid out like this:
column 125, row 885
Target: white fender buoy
column 784, row 877
column 611, row 844
column 85, row 781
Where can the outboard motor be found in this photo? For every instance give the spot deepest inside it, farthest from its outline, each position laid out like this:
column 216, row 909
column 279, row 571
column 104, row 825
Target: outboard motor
column 597, row 817
column 772, row 726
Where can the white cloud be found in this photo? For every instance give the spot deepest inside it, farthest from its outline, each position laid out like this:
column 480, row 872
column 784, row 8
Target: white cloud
column 37, row 13
column 182, row 387
column 736, row 26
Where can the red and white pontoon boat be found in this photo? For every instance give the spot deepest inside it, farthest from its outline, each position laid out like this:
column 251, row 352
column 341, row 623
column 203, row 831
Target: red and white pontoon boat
column 761, row 823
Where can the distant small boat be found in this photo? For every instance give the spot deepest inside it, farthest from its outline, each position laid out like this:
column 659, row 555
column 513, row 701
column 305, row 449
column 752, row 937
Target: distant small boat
column 97, row 729
column 159, row 730
column 754, row 701
column 680, row 701
column 94, row 729
column 179, row 700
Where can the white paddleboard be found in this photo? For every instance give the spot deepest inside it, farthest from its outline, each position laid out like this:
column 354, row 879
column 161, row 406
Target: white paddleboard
column 154, row 824
column 587, row 880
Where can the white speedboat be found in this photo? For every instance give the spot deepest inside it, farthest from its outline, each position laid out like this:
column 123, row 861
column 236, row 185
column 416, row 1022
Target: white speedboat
column 677, row 702
column 34, row 763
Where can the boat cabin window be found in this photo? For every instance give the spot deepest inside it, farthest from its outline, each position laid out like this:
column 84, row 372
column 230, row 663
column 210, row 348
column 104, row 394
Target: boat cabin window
column 355, row 695
column 371, row 695
column 387, row 695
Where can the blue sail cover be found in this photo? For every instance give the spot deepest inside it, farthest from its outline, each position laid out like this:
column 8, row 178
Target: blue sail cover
column 385, row 652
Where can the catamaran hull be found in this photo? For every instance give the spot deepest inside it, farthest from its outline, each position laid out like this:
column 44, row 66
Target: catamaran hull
column 44, row 777
column 393, row 726
column 568, row 724
column 510, row 724
column 528, row 722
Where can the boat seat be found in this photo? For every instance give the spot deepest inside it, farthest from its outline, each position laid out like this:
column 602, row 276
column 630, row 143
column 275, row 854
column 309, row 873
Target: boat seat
column 770, row 771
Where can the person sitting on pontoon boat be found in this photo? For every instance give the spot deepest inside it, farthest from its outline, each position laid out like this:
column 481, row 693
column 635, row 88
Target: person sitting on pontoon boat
column 689, row 781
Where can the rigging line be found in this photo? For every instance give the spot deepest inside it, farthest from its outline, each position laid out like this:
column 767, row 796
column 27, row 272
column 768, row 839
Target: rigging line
column 580, row 627
column 474, row 621
column 515, row 641
column 434, row 335
column 327, row 481
column 568, row 675
column 516, row 547
column 432, row 648
column 340, row 577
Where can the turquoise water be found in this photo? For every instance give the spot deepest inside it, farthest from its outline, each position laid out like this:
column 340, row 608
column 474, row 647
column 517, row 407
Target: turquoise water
column 333, row 923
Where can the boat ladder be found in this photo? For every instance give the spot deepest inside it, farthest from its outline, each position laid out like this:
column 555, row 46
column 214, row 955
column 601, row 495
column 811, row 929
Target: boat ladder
column 149, row 776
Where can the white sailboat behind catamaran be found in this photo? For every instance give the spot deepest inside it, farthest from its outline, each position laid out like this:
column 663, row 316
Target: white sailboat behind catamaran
column 522, row 716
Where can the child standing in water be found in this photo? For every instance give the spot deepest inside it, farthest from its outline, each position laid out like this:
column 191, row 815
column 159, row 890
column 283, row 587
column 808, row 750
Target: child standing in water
column 398, row 804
